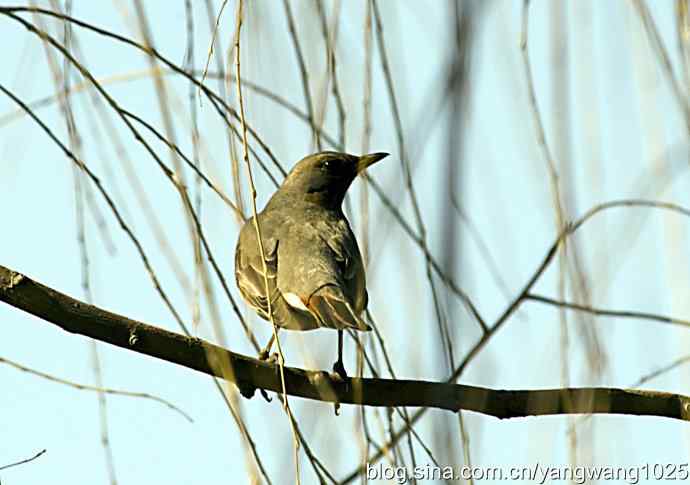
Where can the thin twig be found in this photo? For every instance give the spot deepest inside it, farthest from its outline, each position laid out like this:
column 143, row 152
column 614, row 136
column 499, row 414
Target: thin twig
column 225, row 370
column 663, row 370
column 62, row 81
column 407, row 176
column 518, row 300
column 109, row 201
column 213, row 39
column 257, row 227
column 104, row 390
column 664, row 59
column 387, row 202
column 204, row 242
column 5, row 467
column 362, row 425
column 607, row 313
column 554, row 184
column 303, row 72
column 215, row 99
column 200, row 272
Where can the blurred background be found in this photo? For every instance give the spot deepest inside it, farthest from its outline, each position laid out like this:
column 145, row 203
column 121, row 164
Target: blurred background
column 504, row 120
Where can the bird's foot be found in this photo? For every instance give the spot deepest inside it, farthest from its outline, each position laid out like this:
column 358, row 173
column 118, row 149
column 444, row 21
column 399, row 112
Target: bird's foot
column 264, row 394
column 246, row 390
column 272, row 359
column 339, row 370
column 338, row 375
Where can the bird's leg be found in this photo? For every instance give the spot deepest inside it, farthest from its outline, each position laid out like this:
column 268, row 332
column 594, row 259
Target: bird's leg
column 338, row 367
column 263, row 355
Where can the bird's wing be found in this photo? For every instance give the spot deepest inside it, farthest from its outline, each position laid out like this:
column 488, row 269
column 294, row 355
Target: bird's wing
column 249, row 271
column 249, row 274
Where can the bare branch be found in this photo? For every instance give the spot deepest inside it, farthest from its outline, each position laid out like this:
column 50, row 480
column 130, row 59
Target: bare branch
column 78, row 317
column 607, row 313
column 100, row 389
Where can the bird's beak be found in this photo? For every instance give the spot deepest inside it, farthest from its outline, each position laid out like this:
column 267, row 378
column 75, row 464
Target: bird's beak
column 367, row 160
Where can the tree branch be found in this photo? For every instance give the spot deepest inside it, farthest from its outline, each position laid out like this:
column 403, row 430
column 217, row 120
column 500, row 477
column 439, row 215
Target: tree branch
column 249, row 374
column 27, row 460
column 600, row 312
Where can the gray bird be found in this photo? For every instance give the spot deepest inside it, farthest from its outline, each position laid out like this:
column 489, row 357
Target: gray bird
column 315, row 272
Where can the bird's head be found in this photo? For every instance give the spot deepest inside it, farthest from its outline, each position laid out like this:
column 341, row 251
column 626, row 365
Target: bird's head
column 324, row 177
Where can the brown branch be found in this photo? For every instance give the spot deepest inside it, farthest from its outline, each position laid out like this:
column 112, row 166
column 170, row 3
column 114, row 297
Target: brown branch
column 78, row 317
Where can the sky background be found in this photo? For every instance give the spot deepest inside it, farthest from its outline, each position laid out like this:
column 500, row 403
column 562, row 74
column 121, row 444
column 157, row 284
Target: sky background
column 614, row 126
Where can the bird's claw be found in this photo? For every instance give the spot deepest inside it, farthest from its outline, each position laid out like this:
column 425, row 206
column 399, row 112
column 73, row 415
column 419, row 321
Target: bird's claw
column 339, row 371
column 247, row 390
column 265, row 395
column 338, row 375
column 269, row 359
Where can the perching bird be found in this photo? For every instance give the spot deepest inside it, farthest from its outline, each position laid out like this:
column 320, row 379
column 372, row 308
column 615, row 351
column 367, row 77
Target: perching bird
column 315, row 272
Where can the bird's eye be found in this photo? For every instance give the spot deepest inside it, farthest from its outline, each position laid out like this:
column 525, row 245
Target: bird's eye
column 326, row 164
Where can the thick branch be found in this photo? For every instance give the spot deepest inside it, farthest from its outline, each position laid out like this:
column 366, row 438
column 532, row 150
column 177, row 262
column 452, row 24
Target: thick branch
column 78, row 317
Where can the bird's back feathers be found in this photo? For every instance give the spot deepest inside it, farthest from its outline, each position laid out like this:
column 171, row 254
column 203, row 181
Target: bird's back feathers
column 315, row 260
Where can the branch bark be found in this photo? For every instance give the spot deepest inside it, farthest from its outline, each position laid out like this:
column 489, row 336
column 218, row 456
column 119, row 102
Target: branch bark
column 249, row 374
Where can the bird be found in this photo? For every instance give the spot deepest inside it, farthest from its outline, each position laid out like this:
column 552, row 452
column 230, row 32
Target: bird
column 314, row 267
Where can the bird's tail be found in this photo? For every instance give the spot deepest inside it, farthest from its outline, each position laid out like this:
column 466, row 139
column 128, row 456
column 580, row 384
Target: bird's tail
column 333, row 310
